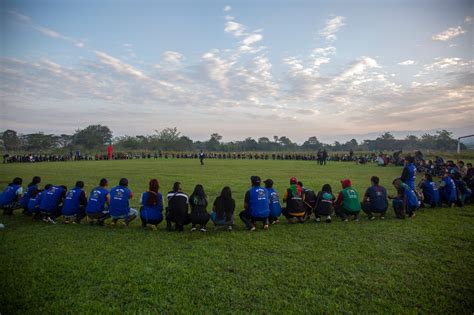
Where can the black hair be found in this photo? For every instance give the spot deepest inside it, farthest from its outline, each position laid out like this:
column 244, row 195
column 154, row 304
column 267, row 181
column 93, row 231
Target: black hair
column 326, row 188
column 375, row 180
column 268, row 183
column 410, row 159
column 176, row 186
column 398, row 178
column 123, row 182
column 80, row 184
column 103, row 182
column 300, row 183
column 48, row 186
column 17, row 181
column 461, row 162
column 198, row 191
column 63, row 187
column 255, row 180
column 429, row 177
column 35, row 181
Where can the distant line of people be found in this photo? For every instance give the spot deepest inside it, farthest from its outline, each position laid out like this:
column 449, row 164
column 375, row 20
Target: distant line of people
column 261, row 204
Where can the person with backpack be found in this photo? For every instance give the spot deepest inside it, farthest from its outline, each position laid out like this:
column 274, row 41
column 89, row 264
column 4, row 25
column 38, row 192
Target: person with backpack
column 97, row 206
column 275, row 207
column 347, row 203
column 120, row 204
column 256, row 205
column 151, row 212
column 295, row 208
column 75, row 202
column 375, row 199
column 223, row 209
column 324, row 204
column 198, row 203
column 11, row 196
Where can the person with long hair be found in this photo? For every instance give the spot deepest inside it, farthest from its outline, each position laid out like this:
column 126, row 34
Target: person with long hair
column 324, row 203
column 198, row 203
column 151, row 212
column 223, row 209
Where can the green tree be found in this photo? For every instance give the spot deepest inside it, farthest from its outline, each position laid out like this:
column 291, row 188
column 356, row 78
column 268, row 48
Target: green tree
column 11, row 141
column 92, row 136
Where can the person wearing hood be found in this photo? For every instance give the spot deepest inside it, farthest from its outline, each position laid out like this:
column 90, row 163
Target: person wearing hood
column 347, row 203
column 295, row 210
column 256, row 205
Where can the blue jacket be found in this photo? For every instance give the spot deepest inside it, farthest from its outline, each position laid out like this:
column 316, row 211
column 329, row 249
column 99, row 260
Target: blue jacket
column 275, row 207
column 259, row 207
column 34, row 203
column 9, row 194
column 409, row 196
column 431, row 193
column 151, row 212
column 97, row 200
column 51, row 199
column 72, row 202
column 119, row 205
column 26, row 197
column 449, row 189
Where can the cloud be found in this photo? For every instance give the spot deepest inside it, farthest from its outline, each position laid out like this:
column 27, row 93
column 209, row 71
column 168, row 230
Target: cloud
column 442, row 63
column 46, row 31
column 234, row 28
column 408, row 62
column 118, row 65
column 448, row 34
column 468, row 19
column 358, row 67
column 332, row 27
column 227, row 8
column 172, row 57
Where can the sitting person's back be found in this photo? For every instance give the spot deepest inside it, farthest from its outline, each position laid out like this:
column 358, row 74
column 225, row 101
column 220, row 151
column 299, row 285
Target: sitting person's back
column 223, row 209
column 325, row 203
column 375, row 199
column 152, row 205
column 198, row 203
column 177, row 207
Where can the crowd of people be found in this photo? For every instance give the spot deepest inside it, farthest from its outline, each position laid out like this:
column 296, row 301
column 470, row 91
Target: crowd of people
column 261, row 203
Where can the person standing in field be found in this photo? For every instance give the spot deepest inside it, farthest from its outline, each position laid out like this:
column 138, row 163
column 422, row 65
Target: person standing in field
column 275, row 207
column 178, row 206
column 375, row 199
column 295, row 209
column 201, row 157
column 324, row 204
column 347, row 203
column 256, row 205
column 75, row 203
column 406, row 201
column 325, row 156
column 120, row 204
column 409, row 172
column 98, row 200
column 151, row 212
column 198, row 203
column 223, row 209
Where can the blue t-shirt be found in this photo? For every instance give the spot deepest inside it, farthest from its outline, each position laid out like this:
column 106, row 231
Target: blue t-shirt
column 149, row 212
column 258, row 203
column 275, row 207
column 449, row 189
column 9, row 194
column 430, row 192
column 378, row 197
column 97, row 200
column 72, row 202
column 51, row 199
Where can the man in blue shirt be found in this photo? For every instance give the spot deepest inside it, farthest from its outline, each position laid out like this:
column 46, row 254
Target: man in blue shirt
column 11, row 196
column 119, row 203
column 409, row 172
column 406, row 201
column 74, row 204
column 51, row 203
column 375, row 199
column 448, row 192
column 256, row 205
column 430, row 191
column 99, row 200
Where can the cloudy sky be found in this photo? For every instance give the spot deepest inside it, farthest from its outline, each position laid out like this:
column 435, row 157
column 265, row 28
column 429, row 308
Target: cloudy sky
column 334, row 69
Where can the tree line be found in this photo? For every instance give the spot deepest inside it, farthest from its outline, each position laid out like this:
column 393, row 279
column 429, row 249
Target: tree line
column 95, row 137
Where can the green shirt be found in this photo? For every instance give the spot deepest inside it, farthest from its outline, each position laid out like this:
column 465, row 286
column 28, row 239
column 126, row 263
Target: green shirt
column 350, row 199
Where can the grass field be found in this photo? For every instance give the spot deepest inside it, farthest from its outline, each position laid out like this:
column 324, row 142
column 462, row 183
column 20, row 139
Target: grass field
column 419, row 265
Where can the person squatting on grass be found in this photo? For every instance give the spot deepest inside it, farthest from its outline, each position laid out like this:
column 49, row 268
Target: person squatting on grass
column 177, row 210
column 309, row 200
column 75, row 202
column 120, row 203
column 275, row 207
column 256, row 205
column 430, row 192
column 11, row 196
column 347, row 203
column 98, row 204
column 151, row 211
column 295, row 208
column 406, row 201
column 223, row 209
column 375, row 199
column 324, row 204
column 51, row 203
column 198, row 203
column 26, row 196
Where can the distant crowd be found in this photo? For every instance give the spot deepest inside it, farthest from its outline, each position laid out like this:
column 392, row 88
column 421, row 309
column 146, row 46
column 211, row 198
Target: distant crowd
column 261, row 203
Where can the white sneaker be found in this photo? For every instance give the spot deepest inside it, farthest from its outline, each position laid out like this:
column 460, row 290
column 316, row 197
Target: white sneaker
column 203, row 229
column 229, row 228
column 318, row 219
column 193, row 229
column 51, row 220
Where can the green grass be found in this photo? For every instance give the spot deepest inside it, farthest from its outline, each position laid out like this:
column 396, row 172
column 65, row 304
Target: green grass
column 420, row 265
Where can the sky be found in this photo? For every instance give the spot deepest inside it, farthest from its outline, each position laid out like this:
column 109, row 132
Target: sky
column 332, row 69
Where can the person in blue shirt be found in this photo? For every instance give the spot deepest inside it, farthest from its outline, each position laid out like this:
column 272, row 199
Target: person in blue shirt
column 406, row 201
column 75, row 202
column 26, row 196
column 119, row 204
column 430, row 191
column 201, row 157
column 11, row 196
column 35, row 201
column 256, row 205
column 51, row 203
column 448, row 192
column 463, row 191
column 97, row 206
column 275, row 207
column 409, row 172
column 151, row 212
column 375, row 199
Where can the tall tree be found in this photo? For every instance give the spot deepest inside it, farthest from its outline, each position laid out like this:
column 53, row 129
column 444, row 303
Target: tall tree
column 92, row 136
column 11, row 141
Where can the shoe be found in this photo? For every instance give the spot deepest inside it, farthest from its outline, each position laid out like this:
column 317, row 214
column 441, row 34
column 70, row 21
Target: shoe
column 45, row 219
column 276, row 221
column 193, row 229
column 372, row 218
column 51, row 220
column 252, row 229
column 151, row 227
column 382, row 217
column 265, row 227
column 328, row 219
column 203, row 229
column 113, row 223
column 345, row 220
column 229, row 228
column 318, row 219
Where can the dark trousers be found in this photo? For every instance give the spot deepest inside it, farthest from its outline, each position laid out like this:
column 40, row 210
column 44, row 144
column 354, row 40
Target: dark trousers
column 343, row 213
column 8, row 209
column 401, row 210
column 200, row 219
column 250, row 221
column 367, row 208
column 99, row 216
column 148, row 221
column 56, row 213
column 180, row 221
